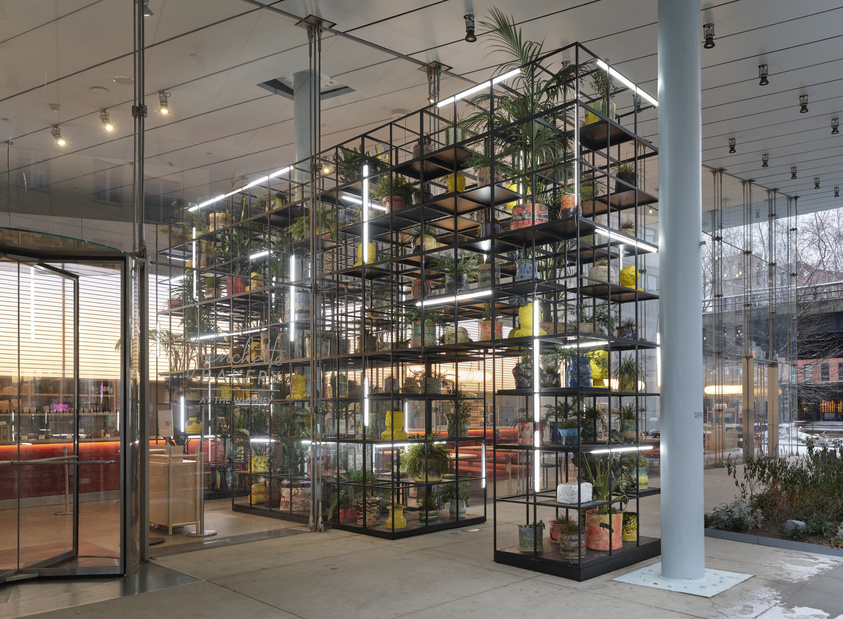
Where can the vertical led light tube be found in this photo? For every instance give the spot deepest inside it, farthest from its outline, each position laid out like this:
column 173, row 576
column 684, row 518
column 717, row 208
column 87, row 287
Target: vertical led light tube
column 536, row 395
column 181, row 421
column 365, row 207
column 194, row 262
column 365, row 402
column 32, row 303
column 483, row 465
column 292, row 299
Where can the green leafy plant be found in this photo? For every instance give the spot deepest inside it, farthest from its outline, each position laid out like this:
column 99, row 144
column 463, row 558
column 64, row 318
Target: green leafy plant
column 458, row 417
column 419, row 458
column 399, row 186
column 736, row 516
column 523, row 143
column 456, row 491
column 325, row 223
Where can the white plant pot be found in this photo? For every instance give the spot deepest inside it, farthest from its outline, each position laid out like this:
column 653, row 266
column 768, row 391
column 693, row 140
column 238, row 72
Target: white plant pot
column 567, row 492
column 603, row 274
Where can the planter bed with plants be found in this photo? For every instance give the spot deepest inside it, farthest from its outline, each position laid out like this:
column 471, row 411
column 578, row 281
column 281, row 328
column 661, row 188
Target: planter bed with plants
column 786, row 501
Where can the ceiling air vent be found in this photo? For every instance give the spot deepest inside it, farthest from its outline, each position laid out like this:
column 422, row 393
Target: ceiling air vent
column 284, row 86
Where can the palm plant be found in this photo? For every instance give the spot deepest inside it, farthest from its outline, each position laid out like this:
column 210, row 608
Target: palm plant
column 523, row 143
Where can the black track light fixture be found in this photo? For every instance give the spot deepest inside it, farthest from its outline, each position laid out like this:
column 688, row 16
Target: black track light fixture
column 163, row 105
column 732, row 146
column 835, row 126
column 765, row 160
column 762, row 74
column 837, row 192
column 56, row 131
column 469, row 28
column 147, row 12
column 816, row 182
column 803, row 104
column 793, row 172
column 708, row 35
column 106, row 120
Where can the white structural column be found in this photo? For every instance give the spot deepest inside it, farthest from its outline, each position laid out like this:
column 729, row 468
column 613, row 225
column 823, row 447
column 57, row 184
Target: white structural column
column 680, row 289
column 301, row 114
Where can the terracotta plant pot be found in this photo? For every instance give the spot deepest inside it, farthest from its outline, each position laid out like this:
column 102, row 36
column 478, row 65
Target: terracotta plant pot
column 528, row 214
column 234, row 285
column 393, row 203
column 598, row 535
column 569, row 206
column 486, row 330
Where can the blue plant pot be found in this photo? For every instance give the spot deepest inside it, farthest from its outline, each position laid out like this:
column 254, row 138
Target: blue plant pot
column 579, row 372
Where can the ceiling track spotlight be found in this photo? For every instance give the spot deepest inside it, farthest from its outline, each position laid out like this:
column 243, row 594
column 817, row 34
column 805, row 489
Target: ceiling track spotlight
column 163, row 106
column 147, row 12
column 469, row 28
column 816, row 182
column 837, row 192
column 732, row 146
column 708, row 34
column 793, row 172
column 765, row 159
column 803, row 104
column 835, row 124
column 56, row 131
column 106, row 120
column 762, row 74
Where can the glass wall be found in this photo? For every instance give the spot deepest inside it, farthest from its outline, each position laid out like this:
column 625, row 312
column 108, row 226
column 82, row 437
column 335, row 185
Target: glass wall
column 749, row 313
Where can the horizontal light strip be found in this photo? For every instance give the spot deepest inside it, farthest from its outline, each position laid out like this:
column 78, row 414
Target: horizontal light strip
column 239, row 189
column 627, row 240
column 622, row 449
column 214, row 336
column 455, row 298
column 260, row 254
column 623, row 80
column 585, row 344
column 478, row 88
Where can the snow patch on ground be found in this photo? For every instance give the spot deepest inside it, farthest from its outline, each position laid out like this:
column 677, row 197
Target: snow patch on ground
column 807, row 567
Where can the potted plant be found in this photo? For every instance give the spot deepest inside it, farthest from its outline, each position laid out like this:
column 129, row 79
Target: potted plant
column 325, row 224
column 625, row 173
column 489, row 328
column 568, row 207
column 393, row 191
column 350, row 161
column 628, row 227
column 427, row 461
column 561, row 418
column 603, row 523
column 629, row 373
column 528, row 214
column 567, row 534
column 628, row 414
column 459, row 272
column 423, row 325
column 627, row 329
column 458, row 417
column 602, row 271
column 429, row 505
column 603, row 84
column 456, row 493
column 525, row 266
column 530, row 537
column 367, row 503
column 593, row 423
column 424, row 238
column 455, row 132
column 421, row 194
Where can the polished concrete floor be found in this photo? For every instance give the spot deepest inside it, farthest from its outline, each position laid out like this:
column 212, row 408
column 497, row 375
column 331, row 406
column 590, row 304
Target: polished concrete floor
column 451, row 573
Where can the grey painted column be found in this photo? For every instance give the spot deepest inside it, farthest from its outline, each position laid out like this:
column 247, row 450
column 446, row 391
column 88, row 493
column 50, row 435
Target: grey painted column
column 301, row 114
column 680, row 289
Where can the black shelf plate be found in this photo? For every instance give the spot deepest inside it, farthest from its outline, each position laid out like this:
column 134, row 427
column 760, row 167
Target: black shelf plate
column 601, row 134
column 550, row 232
column 616, row 293
column 574, row 391
column 434, row 165
column 414, row 527
column 593, row 564
column 618, row 201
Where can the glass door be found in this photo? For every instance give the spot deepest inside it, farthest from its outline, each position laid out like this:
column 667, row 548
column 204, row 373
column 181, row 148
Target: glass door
column 43, row 462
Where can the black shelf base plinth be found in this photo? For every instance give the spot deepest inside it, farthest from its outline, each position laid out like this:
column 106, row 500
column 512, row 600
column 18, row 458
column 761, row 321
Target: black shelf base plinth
column 413, row 528
column 595, row 563
column 266, row 512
